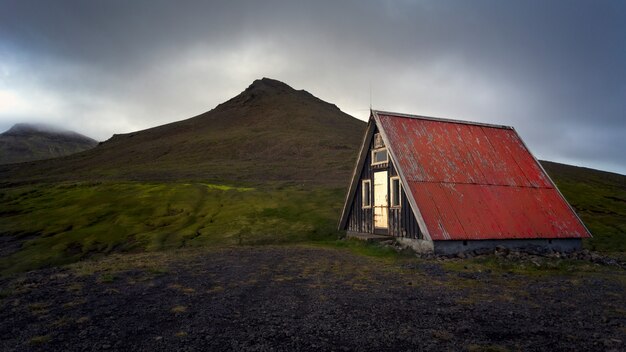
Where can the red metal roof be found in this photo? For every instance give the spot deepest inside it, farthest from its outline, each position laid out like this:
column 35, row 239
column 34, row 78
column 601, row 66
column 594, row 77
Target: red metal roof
column 476, row 181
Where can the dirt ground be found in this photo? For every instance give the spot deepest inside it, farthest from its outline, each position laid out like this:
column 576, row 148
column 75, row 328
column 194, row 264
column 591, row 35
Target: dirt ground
column 310, row 299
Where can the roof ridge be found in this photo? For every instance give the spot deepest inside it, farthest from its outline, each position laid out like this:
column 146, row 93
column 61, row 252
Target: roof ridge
column 481, row 184
column 441, row 119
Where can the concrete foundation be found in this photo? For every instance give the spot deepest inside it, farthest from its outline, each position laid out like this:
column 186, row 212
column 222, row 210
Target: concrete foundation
column 559, row 245
column 419, row 246
column 453, row 247
column 368, row 237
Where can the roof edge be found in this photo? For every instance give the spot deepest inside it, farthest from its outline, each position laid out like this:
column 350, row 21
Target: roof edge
column 421, row 223
column 356, row 173
column 440, row 119
column 558, row 191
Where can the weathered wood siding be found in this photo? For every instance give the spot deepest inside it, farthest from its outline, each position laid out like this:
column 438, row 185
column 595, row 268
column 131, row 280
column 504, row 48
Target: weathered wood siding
column 402, row 222
column 362, row 219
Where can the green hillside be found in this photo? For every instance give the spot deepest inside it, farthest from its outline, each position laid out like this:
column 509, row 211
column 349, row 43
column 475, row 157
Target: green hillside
column 269, row 132
column 66, row 222
column 27, row 142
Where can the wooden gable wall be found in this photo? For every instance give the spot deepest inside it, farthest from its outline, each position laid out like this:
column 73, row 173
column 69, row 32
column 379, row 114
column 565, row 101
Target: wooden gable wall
column 402, row 222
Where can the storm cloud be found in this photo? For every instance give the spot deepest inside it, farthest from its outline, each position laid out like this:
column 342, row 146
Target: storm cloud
column 552, row 69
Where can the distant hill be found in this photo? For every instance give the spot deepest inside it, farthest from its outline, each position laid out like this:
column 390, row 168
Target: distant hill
column 28, row 142
column 269, row 132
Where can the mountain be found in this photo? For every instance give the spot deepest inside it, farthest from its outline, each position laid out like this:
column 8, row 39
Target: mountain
column 269, row 132
column 28, row 142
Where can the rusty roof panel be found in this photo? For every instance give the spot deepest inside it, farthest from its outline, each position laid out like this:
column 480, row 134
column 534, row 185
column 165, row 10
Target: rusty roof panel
column 508, row 144
column 434, row 151
column 466, row 211
column 473, row 181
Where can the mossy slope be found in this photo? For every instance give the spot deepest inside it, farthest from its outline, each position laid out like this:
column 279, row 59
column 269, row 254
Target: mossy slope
column 67, row 222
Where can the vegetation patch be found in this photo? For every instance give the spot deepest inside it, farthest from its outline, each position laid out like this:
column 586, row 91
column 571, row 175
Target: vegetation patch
column 178, row 309
column 75, row 221
column 106, row 278
column 39, row 308
column 370, row 249
column 40, row 340
column 486, row 348
column 534, row 266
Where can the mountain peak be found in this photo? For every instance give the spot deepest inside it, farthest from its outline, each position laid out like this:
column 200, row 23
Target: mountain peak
column 272, row 92
column 262, row 91
column 268, row 86
column 28, row 142
column 25, row 128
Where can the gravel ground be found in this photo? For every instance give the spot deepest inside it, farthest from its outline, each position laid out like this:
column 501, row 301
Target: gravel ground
column 300, row 298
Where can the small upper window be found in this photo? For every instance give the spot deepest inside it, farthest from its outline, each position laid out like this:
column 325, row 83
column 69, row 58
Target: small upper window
column 366, row 193
column 379, row 156
column 396, row 192
column 378, row 141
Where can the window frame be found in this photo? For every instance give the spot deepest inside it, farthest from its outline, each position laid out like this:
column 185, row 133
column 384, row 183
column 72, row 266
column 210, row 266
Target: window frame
column 392, row 203
column 369, row 190
column 374, row 151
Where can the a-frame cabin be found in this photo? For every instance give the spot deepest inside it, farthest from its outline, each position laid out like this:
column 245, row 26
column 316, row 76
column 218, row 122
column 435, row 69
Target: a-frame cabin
column 450, row 186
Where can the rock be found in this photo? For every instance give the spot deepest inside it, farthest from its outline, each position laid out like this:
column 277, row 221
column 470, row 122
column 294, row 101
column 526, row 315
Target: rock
column 482, row 251
column 501, row 250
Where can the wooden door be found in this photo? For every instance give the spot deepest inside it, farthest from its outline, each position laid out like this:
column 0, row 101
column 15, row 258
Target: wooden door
column 381, row 205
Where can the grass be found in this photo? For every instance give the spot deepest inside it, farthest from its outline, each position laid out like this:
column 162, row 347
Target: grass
column 106, row 278
column 40, row 340
column 178, row 309
column 536, row 267
column 39, row 308
column 67, row 222
column 364, row 248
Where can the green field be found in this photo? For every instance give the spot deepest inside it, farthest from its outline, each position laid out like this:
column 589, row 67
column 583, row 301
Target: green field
column 62, row 223
column 47, row 224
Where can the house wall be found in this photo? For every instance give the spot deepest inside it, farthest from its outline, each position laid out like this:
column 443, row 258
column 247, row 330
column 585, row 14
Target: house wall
column 402, row 222
column 362, row 219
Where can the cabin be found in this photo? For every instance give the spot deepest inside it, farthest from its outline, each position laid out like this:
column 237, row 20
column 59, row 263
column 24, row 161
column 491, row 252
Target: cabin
column 449, row 186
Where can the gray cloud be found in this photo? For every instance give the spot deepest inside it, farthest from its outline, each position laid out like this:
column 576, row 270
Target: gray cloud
column 554, row 70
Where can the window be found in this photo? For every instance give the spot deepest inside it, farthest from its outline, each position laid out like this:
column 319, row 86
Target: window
column 379, row 156
column 378, row 141
column 396, row 192
column 366, row 193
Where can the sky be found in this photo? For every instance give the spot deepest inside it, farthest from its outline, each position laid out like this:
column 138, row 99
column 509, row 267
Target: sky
column 555, row 70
